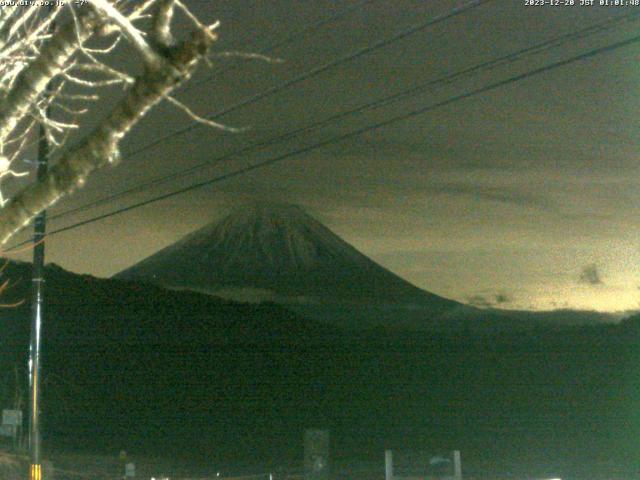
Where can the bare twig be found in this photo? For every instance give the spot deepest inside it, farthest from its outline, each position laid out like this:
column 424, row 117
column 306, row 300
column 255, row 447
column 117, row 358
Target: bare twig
column 134, row 36
column 162, row 23
column 205, row 121
column 247, row 56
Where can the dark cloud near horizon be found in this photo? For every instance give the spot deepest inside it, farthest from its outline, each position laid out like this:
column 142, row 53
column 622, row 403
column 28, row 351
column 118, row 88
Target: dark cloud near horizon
column 502, row 298
column 492, row 194
column 482, row 301
column 479, row 301
column 590, row 274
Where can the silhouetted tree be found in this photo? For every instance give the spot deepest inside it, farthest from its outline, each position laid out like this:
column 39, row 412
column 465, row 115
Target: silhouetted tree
column 67, row 67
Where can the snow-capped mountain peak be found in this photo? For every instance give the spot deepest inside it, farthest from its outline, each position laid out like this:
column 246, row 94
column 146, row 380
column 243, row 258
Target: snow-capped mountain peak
column 277, row 252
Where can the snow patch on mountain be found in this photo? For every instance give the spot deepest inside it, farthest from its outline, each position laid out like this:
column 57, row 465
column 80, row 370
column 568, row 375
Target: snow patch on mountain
column 277, row 252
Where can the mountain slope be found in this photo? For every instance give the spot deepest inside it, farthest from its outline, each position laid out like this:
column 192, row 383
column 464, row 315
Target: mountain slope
column 278, row 252
column 184, row 375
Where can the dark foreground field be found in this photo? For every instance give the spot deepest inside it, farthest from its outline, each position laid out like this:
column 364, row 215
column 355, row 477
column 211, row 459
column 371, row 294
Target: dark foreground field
column 201, row 382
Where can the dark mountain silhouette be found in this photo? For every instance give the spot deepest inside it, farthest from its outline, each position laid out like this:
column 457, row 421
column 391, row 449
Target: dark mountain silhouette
column 184, row 375
column 280, row 253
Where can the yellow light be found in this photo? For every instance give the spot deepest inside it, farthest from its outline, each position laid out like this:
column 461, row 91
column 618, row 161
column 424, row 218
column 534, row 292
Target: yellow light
column 36, row 472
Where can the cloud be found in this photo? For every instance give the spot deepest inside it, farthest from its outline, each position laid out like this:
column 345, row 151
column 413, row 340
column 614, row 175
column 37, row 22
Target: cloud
column 482, row 301
column 590, row 275
column 492, row 194
column 479, row 301
column 502, row 298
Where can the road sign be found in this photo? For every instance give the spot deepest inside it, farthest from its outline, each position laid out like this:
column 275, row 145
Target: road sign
column 12, row 417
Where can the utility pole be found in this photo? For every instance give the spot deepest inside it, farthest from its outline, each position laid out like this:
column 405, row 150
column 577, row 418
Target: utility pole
column 37, row 300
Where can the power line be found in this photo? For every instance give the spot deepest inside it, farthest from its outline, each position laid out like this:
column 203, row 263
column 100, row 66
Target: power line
column 287, row 40
column 317, row 71
column 382, row 102
column 533, row 50
column 354, row 133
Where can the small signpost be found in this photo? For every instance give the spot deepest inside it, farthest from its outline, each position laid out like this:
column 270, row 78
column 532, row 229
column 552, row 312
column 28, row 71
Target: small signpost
column 130, row 470
column 11, row 424
column 12, row 417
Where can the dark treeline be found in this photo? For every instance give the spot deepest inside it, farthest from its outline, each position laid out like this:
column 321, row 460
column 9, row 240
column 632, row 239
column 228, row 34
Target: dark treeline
column 205, row 381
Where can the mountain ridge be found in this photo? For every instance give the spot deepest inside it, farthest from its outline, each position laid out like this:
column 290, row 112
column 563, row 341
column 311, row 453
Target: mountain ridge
column 133, row 366
column 278, row 252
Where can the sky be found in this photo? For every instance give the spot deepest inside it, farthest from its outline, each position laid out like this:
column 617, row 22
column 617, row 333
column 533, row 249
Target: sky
column 521, row 197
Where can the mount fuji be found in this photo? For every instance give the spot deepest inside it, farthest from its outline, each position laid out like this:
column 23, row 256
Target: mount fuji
column 279, row 253
column 275, row 252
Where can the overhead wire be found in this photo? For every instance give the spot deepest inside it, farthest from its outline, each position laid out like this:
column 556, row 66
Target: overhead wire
column 309, row 74
column 286, row 41
column 316, row 71
column 471, row 4
column 354, row 133
column 381, row 102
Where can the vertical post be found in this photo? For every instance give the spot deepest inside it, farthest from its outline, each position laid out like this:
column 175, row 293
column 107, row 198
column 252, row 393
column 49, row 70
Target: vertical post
column 37, row 300
column 457, row 465
column 316, row 455
column 388, row 465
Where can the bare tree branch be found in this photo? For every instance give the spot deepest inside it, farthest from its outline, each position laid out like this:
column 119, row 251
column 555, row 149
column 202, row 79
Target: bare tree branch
column 162, row 25
column 100, row 147
column 205, row 121
column 33, row 81
column 41, row 68
column 134, row 36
